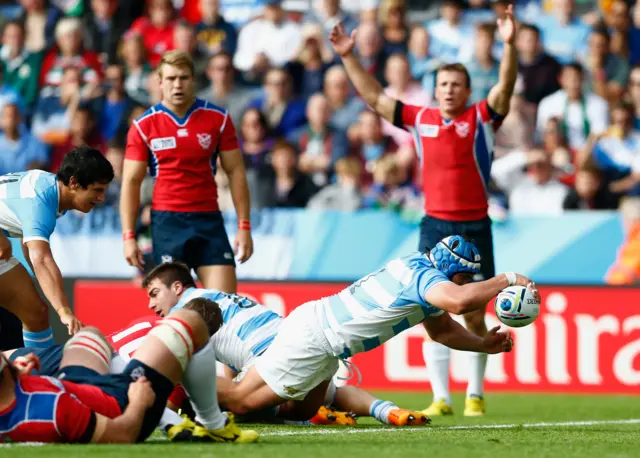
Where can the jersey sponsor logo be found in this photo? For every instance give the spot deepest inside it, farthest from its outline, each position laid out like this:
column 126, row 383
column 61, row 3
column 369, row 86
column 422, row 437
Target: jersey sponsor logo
column 166, row 258
column 228, row 256
column 462, row 128
column 159, row 144
column 204, row 140
column 428, row 130
column 183, row 133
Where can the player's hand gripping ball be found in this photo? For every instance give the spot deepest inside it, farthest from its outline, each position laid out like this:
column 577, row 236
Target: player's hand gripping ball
column 517, row 306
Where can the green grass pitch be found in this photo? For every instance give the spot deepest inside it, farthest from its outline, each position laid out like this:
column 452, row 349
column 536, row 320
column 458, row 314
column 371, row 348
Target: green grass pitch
column 516, row 425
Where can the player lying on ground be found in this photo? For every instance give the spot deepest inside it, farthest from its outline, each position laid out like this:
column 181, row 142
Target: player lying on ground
column 84, row 403
column 201, row 371
column 30, row 203
column 247, row 331
column 418, row 288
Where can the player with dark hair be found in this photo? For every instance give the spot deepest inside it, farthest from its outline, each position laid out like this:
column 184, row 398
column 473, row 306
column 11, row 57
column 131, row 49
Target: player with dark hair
column 181, row 139
column 30, row 203
column 455, row 145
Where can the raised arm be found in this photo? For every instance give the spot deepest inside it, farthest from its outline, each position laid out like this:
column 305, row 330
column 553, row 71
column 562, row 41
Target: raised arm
column 499, row 97
column 366, row 85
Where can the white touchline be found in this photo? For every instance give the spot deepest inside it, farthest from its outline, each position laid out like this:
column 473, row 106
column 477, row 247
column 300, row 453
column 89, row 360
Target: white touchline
column 311, row 430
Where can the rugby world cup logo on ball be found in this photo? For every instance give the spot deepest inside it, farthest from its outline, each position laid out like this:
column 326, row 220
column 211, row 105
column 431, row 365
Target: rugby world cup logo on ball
column 517, row 306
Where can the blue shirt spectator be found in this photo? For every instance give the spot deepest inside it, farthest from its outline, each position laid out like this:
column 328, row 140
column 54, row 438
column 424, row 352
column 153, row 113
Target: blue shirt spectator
column 617, row 153
column 18, row 147
column 449, row 35
column 565, row 39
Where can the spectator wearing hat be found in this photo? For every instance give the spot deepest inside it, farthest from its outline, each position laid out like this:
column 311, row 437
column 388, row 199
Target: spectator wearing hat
column 537, row 192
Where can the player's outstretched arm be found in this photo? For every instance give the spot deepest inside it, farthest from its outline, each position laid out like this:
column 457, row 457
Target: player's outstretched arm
column 126, row 428
column 133, row 174
column 50, row 278
column 443, row 329
column 459, row 299
column 233, row 164
column 366, row 85
column 499, row 98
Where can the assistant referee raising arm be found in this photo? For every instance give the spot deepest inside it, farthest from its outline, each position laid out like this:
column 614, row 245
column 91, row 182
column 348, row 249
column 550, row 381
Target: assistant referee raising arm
column 455, row 145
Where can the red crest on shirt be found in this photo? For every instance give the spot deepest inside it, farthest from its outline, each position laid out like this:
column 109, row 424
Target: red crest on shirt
column 462, row 128
column 204, row 140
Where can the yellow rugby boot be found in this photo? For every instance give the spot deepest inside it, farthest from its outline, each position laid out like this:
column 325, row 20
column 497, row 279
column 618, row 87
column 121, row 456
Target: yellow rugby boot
column 182, row 432
column 438, row 408
column 474, row 406
column 229, row 433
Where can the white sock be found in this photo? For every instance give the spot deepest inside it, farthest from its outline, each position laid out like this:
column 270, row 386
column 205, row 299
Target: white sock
column 169, row 419
column 477, row 366
column 436, row 357
column 330, row 395
column 380, row 410
column 200, row 384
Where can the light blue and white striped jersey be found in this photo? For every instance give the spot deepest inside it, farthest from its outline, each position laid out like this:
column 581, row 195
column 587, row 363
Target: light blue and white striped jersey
column 379, row 306
column 248, row 327
column 29, row 203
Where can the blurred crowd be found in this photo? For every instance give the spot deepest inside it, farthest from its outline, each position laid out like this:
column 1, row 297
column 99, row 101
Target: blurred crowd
column 78, row 71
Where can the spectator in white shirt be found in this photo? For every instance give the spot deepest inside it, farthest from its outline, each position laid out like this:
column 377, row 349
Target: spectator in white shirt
column 270, row 41
column 581, row 113
column 529, row 180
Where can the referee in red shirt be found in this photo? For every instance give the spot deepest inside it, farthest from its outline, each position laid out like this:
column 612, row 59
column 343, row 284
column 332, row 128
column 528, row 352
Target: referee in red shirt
column 455, row 146
column 179, row 140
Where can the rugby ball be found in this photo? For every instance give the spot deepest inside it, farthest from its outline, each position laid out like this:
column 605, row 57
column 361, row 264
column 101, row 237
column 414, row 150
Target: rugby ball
column 517, row 306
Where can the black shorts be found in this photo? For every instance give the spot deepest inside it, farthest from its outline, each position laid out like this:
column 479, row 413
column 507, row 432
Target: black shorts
column 117, row 385
column 195, row 238
column 50, row 358
column 432, row 230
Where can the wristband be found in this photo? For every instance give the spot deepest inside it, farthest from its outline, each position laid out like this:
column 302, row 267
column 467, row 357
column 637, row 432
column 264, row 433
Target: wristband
column 65, row 310
column 128, row 235
column 244, row 225
column 511, row 278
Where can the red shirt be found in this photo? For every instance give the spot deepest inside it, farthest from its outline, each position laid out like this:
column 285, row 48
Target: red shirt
column 49, row 410
column 456, row 158
column 126, row 341
column 182, row 154
column 156, row 41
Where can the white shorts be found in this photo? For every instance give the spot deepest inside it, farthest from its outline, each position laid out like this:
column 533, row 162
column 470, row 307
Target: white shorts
column 300, row 358
column 6, row 266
